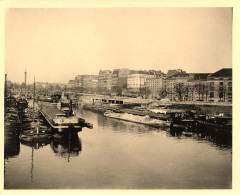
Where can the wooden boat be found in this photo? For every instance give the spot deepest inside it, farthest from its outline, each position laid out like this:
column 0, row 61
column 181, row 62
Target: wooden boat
column 31, row 137
column 34, row 125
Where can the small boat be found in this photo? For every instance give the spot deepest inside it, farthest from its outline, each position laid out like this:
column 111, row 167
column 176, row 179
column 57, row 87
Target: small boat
column 34, row 125
column 31, row 137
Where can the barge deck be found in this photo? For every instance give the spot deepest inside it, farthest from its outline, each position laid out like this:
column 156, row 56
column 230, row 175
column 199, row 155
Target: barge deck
column 50, row 111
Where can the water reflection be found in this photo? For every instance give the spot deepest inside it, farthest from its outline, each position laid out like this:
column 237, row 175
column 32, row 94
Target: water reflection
column 66, row 147
column 123, row 126
column 11, row 147
column 219, row 138
column 36, row 144
column 167, row 159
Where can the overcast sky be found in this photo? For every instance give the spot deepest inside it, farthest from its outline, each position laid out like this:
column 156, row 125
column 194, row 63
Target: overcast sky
column 55, row 45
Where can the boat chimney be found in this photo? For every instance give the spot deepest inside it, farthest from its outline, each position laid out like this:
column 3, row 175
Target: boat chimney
column 71, row 111
column 5, row 85
column 5, row 92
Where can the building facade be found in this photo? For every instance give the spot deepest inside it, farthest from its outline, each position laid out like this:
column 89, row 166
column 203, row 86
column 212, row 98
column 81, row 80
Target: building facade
column 89, row 82
column 174, row 86
column 119, row 78
column 155, row 85
column 72, row 84
column 220, row 85
column 136, row 81
column 105, row 79
column 86, row 82
column 170, row 73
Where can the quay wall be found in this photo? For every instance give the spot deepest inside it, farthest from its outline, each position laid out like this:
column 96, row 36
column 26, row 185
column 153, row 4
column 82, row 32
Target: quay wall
column 210, row 108
column 207, row 108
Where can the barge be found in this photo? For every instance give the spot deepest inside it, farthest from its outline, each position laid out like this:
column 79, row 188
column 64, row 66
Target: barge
column 60, row 121
column 144, row 120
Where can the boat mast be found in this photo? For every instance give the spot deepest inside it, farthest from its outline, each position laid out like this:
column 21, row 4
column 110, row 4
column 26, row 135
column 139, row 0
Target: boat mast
column 34, row 94
column 5, row 93
column 32, row 165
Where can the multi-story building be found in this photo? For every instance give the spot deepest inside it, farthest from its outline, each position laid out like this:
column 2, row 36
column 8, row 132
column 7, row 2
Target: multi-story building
column 72, row 84
column 105, row 79
column 89, row 82
column 136, row 81
column 174, row 85
column 197, row 87
column 119, row 78
column 170, row 73
column 220, row 85
column 79, row 79
column 86, row 82
column 155, row 85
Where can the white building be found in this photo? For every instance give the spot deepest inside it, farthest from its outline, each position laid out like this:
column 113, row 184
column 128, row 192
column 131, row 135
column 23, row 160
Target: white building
column 137, row 81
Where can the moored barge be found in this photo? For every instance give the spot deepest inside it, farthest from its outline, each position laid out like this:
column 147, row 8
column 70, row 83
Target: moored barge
column 60, row 121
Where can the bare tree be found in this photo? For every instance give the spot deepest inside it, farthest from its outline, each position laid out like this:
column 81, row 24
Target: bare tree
column 145, row 92
column 179, row 89
column 198, row 88
column 205, row 89
column 226, row 90
column 187, row 91
column 192, row 89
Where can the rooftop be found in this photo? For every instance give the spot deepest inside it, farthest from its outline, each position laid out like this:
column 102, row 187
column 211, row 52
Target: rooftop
column 197, row 76
column 182, row 74
column 224, row 72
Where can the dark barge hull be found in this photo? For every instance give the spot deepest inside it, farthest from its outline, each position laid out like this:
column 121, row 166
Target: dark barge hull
column 94, row 108
column 216, row 127
column 49, row 112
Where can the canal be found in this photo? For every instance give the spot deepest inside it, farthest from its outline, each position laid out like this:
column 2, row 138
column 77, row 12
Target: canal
column 120, row 155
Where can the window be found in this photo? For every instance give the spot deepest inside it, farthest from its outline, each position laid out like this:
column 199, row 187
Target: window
column 211, row 86
column 211, row 94
column 229, row 88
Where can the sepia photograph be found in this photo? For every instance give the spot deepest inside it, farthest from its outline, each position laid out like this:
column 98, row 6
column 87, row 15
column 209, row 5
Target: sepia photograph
column 136, row 98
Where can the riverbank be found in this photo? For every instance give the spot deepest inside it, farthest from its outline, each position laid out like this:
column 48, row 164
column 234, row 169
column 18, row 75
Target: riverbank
column 211, row 108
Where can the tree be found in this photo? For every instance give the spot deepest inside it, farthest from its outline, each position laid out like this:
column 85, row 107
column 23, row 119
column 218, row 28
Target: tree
column 202, row 89
column 117, row 90
column 192, row 90
column 205, row 89
column 187, row 91
column 145, row 91
column 179, row 89
column 163, row 93
column 198, row 89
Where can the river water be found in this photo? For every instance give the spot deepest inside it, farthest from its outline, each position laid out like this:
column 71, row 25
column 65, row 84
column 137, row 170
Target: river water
column 120, row 155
